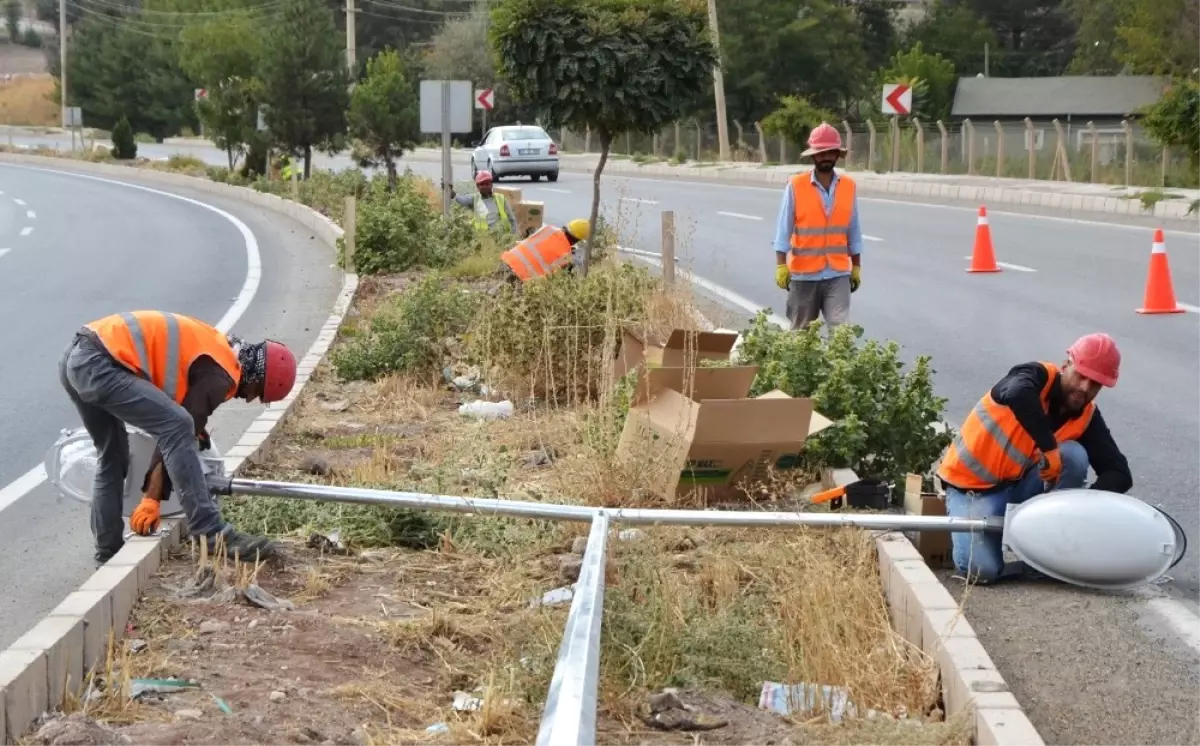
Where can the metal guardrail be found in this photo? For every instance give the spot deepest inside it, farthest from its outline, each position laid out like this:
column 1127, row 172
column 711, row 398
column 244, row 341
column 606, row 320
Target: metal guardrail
column 569, row 715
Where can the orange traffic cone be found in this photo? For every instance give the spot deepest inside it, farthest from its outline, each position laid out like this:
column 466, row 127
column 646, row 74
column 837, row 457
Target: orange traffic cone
column 983, row 259
column 1160, row 291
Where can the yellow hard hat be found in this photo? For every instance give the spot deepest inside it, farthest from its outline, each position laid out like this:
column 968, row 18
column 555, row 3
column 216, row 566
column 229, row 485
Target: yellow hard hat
column 579, row 228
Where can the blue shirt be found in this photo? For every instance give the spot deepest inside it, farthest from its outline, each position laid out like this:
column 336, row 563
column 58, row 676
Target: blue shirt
column 787, row 222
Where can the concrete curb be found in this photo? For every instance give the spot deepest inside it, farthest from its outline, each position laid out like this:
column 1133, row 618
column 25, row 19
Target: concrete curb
column 55, row 655
column 926, row 615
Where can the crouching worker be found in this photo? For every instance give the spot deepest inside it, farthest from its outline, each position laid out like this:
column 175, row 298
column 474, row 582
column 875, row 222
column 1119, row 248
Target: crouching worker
column 1037, row 430
column 548, row 250
column 166, row 374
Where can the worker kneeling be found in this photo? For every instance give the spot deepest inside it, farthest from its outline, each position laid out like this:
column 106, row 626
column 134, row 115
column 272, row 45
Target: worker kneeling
column 548, row 250
column 166, row 374
column 1037, row 430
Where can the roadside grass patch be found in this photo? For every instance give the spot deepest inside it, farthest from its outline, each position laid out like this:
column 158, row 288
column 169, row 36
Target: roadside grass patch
column 29, row 100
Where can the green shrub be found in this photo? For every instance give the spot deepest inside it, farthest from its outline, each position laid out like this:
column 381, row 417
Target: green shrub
column 124, row 145
column 401, row 229
column 186, row 164
column 406, row 336
column 883, row 413
column 552, row 331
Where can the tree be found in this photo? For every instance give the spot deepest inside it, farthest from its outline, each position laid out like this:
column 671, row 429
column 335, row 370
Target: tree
column 1175, row 119
column 12, row 20
column 1097, row 46
column 613, row 66
column 124, row 145
column 222, row 56
column 304, row 80
column 1035, row 37
column 877, row 29
column 795, row 119
column 1158, row 37
column 931, row 76
column 385, row 113
column 956, row 33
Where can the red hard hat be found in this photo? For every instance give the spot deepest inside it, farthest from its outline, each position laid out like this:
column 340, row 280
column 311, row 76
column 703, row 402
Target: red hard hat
column 280, row 375
column 483, row 177
column 823, row 138
column 1097, row 358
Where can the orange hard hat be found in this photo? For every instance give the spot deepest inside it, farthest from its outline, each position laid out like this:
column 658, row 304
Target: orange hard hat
column 1097, row 358
column 822, row 139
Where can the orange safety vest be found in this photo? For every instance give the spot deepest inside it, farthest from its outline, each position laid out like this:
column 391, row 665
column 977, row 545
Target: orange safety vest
column 992, row 447
column 161, row 348
column 546, row 251
column 820, row 240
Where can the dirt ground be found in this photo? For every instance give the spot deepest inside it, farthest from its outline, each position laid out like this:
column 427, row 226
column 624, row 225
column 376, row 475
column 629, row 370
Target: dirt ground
column 28, row 100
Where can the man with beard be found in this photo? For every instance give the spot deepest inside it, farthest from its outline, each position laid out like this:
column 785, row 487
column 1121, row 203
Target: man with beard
column 818, row 241
column 1037, row 430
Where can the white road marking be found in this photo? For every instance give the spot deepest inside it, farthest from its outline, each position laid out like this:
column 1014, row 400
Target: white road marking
column 1188, row 307
column 553, row 189
column 871, row 238
column 30, row 480
column 741, row 215
column 4, row 251
column 20, row 202
column 1016, row 267
column 639, row 200
column 30, row 214
column 27, row 230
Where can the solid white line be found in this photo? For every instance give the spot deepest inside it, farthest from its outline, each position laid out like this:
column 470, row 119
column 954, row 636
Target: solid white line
column 1188, row 307
column 4, row 251
column 20, row 202
column 743, row 216
column 871, row 238
column 27, row 230
column 553, row 189
column 639, row 201
column 27, row 482
column 30, row 214
column 1006, row 265
column 1182, row 620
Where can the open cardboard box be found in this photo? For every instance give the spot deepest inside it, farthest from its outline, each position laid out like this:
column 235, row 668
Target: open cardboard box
column 714, row 439
column 529, row 216
column 934, row 546
column 684, row 348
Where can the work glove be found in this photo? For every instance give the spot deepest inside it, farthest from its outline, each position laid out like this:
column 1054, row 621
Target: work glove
column 782, row 276
column 144, row 520
column 1051, row 467
column 204, row 440
column 855, row 278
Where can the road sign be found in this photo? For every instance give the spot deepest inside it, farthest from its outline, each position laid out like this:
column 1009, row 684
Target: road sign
column 201, row 93
column 485, row 98
column 457, row 109
column 897, row 99
column 73, row 117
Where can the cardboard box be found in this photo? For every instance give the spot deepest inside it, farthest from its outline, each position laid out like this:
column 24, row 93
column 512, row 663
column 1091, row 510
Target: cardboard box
column 713, row 439
column 511, row 194
column 684, row 348
column 530, row 216
column 934, row 546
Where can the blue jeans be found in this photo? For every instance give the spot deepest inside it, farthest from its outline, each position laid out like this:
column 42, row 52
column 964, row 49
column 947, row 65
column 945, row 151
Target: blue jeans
column 979, row 556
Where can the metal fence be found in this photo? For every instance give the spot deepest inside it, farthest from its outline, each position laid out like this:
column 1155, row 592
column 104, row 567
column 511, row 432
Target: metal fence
column 569, row 715
column 1107, row 152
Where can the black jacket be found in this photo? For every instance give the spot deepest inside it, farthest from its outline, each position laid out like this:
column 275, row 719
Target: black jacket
column 1021, row 391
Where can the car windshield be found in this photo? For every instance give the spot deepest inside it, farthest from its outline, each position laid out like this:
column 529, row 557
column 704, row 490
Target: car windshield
column 525, row 133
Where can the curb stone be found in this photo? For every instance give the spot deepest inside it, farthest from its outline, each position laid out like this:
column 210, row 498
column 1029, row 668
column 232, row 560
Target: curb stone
column 54, row 656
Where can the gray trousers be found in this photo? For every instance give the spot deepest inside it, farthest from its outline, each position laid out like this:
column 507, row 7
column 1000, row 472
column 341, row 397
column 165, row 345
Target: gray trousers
column 808, row 299
column 107, row 395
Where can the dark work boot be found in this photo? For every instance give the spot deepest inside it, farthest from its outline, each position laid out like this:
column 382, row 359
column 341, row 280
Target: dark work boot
column 104, row 555
column 246, row 547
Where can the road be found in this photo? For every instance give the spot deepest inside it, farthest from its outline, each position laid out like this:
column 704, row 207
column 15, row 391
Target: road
column 1069, row 654
column 73, row 249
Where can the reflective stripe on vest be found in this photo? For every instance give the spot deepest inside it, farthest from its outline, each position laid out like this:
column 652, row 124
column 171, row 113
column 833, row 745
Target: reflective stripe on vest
column 161, row 348
column 992, row 447
column 537, row 256
column 481, row 212
column 820, row 240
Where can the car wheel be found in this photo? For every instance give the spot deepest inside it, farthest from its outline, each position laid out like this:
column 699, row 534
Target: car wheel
column 474, row 169
column 535, row 177
column 552, row 177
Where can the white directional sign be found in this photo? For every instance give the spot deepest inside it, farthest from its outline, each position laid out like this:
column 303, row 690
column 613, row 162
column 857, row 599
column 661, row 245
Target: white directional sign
column 458, row 106
column 485, row 98
column 897, row 99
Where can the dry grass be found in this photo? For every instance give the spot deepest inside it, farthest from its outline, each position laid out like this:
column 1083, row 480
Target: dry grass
column 29, row 101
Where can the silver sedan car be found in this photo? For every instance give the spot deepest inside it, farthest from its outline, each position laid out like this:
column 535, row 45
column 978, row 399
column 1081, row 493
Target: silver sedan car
column 516, row 150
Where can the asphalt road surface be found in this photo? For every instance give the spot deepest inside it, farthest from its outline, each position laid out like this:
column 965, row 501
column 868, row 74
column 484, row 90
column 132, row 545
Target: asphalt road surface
column 73, row 249
column 1089, row 667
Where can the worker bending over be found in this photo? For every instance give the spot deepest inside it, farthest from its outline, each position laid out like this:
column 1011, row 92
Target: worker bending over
column 818, row 241
column 491, row 209
column 1038, row 429
column 546, row 251
column 166, row 374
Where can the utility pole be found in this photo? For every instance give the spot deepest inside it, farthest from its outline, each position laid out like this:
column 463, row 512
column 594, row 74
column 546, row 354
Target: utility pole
column 719, row 86
column 62, row 61
column 986, row 60
column 351, row 45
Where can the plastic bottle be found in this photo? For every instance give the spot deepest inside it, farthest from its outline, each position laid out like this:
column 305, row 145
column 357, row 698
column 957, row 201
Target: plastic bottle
column 487, row 409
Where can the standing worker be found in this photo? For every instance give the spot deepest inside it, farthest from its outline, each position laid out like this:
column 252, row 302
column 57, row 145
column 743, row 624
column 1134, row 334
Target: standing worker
column 818, row 241
column 1037, row 430
column 546, row 251
column 164, row 373
column 491, row 210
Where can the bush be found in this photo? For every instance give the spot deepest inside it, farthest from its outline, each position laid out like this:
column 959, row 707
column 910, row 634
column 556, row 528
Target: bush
column 883, row 414
column 124, row 145
column 407, row 335
column 31, row 38
column 401, row 229
column 552, row 331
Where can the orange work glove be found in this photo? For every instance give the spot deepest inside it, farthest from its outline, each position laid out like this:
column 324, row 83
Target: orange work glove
column 1051, row 466
column 144, row 520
